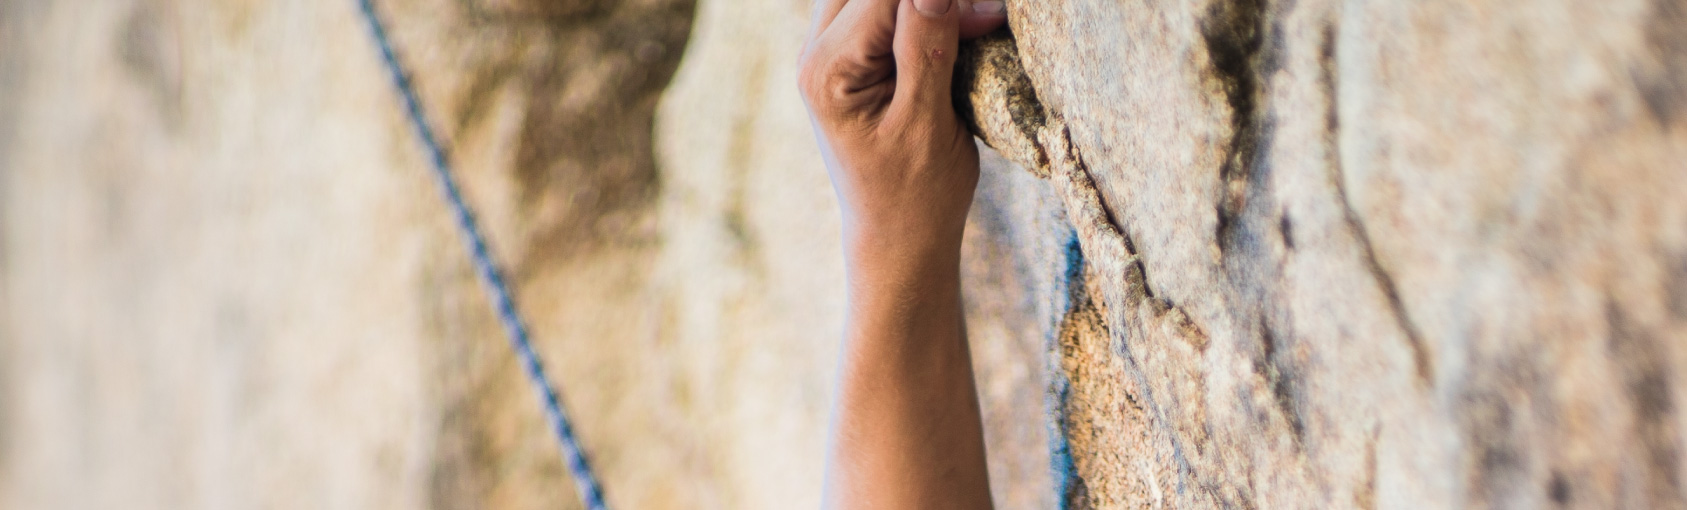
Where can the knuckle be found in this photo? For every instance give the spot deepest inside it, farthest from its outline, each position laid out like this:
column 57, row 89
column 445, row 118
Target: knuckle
column 823, row 81
column 810, row 76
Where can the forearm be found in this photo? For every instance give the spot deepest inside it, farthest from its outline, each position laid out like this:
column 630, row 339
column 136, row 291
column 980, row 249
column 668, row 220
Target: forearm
column 907, row 431
column 876, row 76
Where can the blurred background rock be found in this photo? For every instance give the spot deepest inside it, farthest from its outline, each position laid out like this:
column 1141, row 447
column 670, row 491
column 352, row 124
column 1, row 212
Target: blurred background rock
column 1392, row 255
column 230, row 281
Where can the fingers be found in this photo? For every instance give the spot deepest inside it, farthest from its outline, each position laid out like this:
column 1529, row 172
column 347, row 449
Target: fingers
column 850, row 62
column 823, row 13
column 978, row 17
column 868, row 23
column 927, row 34
column 982, row 17
column 895, row 53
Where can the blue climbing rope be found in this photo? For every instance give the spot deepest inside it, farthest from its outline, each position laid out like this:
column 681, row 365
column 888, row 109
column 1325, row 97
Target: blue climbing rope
column 590, row 492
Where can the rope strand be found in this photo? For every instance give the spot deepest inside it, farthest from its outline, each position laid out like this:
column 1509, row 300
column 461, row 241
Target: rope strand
column 591, row 494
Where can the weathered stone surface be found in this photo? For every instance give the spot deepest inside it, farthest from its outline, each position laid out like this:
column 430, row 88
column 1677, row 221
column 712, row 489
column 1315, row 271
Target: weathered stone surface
column 997, row 100
column 1367, row 254
column 1261, row 254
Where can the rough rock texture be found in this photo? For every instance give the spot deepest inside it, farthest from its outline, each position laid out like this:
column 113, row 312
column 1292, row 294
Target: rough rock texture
column 227, row 279
column 1363, row 254
column 1239, row 254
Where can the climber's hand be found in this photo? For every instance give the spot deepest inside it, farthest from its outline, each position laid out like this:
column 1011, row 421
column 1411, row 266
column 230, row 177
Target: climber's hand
column 876, row 77
column 906, row 430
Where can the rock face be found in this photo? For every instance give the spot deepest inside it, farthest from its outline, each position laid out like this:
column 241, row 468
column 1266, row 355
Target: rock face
column 1362, row 254
column 1233, row 254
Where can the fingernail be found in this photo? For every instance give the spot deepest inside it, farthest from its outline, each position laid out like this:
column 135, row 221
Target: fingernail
column 932, row 7
column 990, row 7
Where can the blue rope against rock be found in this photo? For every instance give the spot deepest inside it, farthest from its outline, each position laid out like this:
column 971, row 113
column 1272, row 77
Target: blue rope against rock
column 590, row 492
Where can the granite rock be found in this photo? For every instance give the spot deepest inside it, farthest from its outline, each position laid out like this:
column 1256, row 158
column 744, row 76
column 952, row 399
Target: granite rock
column 1363, row 254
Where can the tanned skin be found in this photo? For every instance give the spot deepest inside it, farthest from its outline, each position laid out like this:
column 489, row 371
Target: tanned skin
column 876, row 74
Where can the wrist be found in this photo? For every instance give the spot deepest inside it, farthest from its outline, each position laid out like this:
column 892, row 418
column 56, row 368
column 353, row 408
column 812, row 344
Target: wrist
column 884, row 255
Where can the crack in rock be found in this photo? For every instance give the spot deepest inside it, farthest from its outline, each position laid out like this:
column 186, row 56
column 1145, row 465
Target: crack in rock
column 997, row 102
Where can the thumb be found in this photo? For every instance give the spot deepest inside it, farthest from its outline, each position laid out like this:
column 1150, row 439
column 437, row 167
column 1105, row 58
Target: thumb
column 927, row 36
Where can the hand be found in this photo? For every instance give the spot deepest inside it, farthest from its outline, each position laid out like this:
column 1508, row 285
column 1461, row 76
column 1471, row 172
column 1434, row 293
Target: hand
column 876, row 76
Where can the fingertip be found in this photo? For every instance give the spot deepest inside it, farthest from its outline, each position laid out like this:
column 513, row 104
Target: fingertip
column 933, row 8
column 982, row 17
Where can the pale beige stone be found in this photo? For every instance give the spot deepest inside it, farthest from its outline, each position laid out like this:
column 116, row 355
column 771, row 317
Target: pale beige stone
column 1387, row 255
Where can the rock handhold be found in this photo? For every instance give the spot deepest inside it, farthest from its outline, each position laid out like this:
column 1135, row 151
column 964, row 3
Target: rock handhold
column 997, row 102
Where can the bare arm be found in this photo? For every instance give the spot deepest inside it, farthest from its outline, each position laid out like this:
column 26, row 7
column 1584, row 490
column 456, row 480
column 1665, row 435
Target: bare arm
column 876, row 76
column 907, row 432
